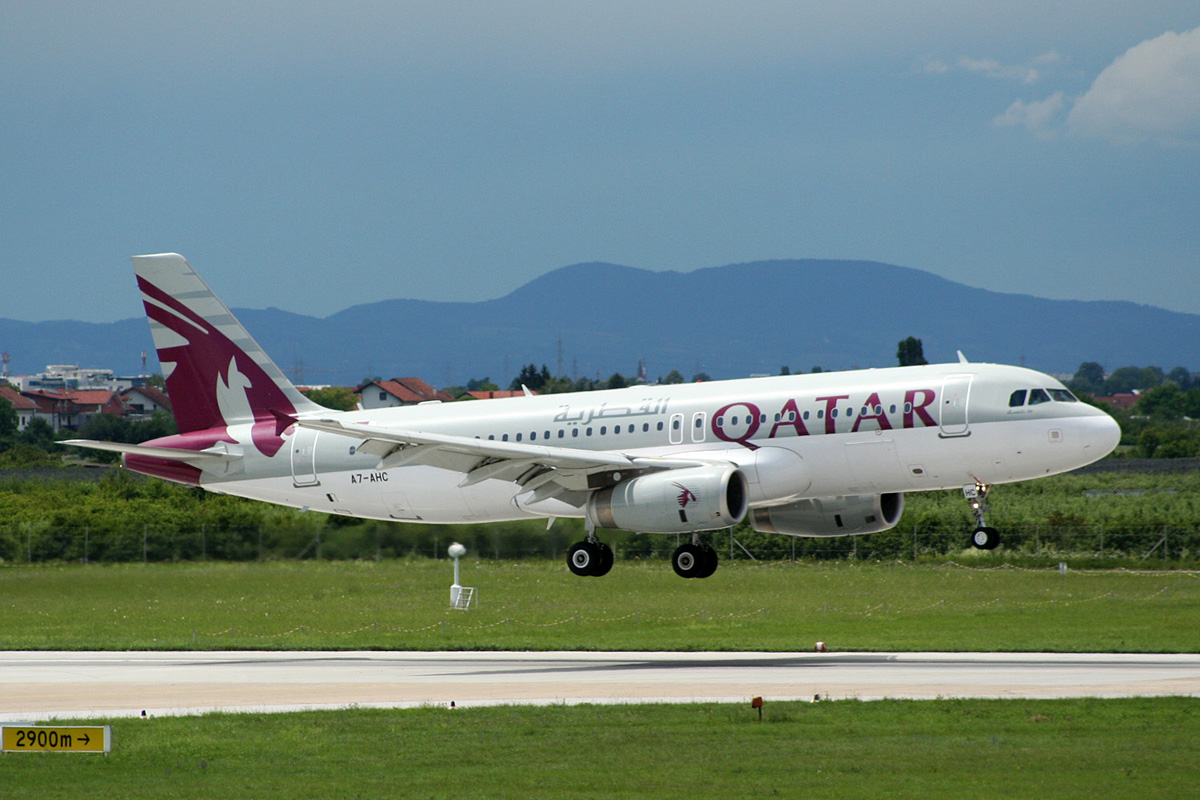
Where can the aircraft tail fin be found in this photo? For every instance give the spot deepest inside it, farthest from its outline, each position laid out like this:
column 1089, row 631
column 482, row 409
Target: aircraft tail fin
column 216, row 374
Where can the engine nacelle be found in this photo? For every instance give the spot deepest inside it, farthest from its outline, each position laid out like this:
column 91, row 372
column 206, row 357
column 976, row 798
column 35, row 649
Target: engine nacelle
column 673, row 501
column 831, row 516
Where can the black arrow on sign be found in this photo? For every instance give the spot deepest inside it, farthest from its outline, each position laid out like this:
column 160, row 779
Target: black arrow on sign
column 86, row 738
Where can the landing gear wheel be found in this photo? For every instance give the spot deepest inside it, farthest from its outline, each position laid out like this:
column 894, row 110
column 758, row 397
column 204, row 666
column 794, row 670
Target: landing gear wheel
column 605, row 563
column 584, row 558
column 590, row 559
column 710, row 562
column 985, row 538
column 688, row 560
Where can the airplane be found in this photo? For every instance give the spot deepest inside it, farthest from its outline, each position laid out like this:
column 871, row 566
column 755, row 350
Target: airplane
column 825, row 454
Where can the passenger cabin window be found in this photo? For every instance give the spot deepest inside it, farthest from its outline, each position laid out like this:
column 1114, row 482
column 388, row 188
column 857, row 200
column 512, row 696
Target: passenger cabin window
column 1017, row 399
column 1038, row 396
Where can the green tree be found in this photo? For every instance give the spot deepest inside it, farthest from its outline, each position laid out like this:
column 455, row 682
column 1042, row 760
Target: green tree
column 1126, row 379
column 8, row 418
column 673, row 376
column 531, row 377
column 616, row 381
column 1181, row 377
column 701, row 377
column 38, row 433
column 1166, row 402
column 482, row 385
column 339, row 398
column 911, row 353
column 1089, row 379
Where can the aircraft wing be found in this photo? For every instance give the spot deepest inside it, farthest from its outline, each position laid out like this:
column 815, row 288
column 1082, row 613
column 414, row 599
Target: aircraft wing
column 533, row 466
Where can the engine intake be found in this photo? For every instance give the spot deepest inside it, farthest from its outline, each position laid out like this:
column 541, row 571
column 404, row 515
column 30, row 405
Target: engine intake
column 831, row 516
column 673, row 501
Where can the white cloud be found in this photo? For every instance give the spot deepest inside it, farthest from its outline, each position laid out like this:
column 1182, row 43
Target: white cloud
column 1151, row 93
column 991, row 68
column 1035, row 116
column 933, row 66
column 994, row 69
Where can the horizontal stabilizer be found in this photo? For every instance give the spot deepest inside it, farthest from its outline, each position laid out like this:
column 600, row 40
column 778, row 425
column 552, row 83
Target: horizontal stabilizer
column 168, row 453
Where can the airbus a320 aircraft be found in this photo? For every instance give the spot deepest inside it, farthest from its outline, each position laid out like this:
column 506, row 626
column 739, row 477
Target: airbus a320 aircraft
column 828, row 454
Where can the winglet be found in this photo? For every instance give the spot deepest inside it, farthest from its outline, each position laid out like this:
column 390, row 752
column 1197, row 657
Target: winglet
column 961, row 358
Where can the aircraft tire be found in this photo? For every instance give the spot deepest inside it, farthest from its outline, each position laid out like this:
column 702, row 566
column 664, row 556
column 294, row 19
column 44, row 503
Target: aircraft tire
column 583, row 559
column 604, row 563
column 710, row 562
column 985, row 538
column 688, row 561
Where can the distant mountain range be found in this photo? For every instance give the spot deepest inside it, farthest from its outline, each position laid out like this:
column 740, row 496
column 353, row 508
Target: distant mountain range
column 728, row 322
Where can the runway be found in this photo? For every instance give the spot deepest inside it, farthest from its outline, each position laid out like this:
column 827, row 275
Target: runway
column 36, row 686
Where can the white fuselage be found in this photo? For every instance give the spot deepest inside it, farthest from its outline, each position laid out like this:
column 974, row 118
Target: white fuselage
column 804, row 436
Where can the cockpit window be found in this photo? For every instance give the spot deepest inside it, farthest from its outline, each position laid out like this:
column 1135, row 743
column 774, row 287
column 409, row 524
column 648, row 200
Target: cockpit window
column 1037, row 396
column 1063, row 396
column 1017, row 399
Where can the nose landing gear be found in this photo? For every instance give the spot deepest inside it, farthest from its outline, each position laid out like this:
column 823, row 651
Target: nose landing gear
column 983, row 537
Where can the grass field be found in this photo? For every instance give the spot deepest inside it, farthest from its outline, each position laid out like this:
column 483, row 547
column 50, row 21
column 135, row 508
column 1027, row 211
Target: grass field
column 403, row 604
column 1141, row 748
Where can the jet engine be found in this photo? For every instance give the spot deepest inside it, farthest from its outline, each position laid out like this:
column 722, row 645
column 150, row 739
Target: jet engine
column 831, row 516
column 673, row 501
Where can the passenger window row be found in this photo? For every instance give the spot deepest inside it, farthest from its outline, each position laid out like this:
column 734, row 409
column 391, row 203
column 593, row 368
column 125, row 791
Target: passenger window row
column 562, row 432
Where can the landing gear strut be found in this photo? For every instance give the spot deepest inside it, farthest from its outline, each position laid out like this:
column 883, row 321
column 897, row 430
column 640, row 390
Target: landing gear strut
column 694, row 559
column 983, row 537
column 591, row 557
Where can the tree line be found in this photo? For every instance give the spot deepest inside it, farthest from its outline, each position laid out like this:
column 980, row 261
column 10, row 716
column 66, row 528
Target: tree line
column 1164, row 420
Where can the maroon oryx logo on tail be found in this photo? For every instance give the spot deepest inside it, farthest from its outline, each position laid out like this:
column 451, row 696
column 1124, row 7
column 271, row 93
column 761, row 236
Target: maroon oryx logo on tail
column 685, row 495
column 206, row 361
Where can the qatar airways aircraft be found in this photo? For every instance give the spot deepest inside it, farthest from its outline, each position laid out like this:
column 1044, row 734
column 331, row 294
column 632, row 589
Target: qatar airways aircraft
column 828, row 454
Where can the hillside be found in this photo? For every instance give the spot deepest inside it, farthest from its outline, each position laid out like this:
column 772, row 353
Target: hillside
column 726, row 321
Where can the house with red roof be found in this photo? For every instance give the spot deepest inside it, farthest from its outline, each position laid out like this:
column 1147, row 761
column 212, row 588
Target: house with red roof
column 142, row 401
column 26, row 409
column 70, row 408
column 496, row 394
column 398, row 392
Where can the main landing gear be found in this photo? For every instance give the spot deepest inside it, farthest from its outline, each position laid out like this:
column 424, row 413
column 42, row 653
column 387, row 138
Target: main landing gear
column 983, row 537
column 591, row 557
column 694, row 559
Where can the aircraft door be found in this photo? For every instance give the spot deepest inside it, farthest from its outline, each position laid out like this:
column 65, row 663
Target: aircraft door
column 955, row 393
column 304, row 457
column 676, row 429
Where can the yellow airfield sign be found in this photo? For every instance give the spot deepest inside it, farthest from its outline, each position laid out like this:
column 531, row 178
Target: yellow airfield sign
column 55, row 738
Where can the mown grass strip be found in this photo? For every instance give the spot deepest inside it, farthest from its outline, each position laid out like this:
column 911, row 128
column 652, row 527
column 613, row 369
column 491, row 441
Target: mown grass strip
column 1143, row 748
column 403, row 604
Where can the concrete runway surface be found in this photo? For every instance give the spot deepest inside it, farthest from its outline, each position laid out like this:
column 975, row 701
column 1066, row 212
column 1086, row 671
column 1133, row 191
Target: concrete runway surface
column 36, row 686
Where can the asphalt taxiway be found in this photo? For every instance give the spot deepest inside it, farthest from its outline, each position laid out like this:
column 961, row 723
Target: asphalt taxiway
column 44, row 685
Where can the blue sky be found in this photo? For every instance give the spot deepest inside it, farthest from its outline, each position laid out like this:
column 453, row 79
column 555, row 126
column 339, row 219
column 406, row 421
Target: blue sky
column 313, row 156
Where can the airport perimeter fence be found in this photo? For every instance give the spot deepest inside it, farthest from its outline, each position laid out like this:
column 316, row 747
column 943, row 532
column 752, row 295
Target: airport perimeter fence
column 30, row 544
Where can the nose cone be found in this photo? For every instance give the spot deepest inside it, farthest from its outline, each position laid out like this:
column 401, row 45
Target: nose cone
column 1101, row 437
